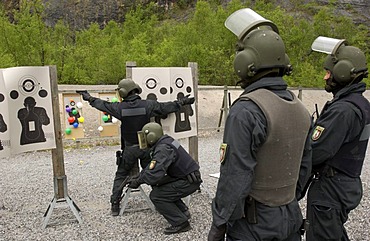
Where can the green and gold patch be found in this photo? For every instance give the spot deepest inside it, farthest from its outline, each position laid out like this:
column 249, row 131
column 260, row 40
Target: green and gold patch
column 317, row 133
column 223, row 149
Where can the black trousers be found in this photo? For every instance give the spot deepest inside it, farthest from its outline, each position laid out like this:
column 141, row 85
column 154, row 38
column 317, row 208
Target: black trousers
column 130, row 157
column 167, row 200
column 329, row 201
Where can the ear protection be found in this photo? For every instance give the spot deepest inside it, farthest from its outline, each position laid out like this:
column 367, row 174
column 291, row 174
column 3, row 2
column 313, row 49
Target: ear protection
column 151, row 138
column 344, row 71
column 122, row 92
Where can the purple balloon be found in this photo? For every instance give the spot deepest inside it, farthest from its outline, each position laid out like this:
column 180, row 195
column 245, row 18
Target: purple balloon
column 68, row 109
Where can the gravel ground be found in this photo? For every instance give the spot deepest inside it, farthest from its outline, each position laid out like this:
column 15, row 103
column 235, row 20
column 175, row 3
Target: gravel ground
column 26, row 190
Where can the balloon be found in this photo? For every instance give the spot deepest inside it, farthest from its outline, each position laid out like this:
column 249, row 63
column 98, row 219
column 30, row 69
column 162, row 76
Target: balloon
column 100, row 128
column 114, row 120
column 68, row 109
column 68, row 131
column 74, row 112
column 75, row 125
column 79, row 105
column 81, row 119
column 114, row 99
column 105, row 118
column 71, row 119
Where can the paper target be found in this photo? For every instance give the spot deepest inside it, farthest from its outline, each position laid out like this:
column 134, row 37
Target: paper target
column 30, row 108
column 168, row 84
column 4, row 120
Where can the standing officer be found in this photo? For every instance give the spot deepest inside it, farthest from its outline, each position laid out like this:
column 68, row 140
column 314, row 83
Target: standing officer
column 340, row 138
column 134, row 113
column 172, row 173
column 265, row 154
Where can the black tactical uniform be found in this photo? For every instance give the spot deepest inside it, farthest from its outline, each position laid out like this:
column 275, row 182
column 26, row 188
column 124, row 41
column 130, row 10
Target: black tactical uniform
column 338, row 155
column 134, row 113
column 245, row 133
column 173, row 174
column 340, row 139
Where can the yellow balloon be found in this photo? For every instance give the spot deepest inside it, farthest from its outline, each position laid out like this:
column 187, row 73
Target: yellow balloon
column 81, row 119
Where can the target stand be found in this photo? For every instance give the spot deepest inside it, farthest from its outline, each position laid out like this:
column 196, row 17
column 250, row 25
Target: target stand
column 129, row 192
column 61, row 202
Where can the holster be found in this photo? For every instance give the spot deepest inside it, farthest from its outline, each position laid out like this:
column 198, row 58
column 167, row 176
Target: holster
column 118, row 157
column 250, row 210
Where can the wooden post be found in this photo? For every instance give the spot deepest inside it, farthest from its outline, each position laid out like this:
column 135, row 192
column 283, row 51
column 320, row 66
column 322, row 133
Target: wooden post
column 193, row 140
column 300, row 93
column 57, row 153
column 60, row 179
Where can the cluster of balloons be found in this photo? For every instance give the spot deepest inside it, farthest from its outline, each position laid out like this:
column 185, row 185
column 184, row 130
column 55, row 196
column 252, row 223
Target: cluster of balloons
column 106, row 117
column 74, row 117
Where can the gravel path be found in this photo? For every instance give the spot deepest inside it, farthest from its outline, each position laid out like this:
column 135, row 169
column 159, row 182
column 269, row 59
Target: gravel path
column 26, row 190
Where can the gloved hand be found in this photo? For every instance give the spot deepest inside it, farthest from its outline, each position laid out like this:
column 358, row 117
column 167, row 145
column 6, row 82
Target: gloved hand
column 134, row 183
column 217, row 233
column 186, row 100
column 85, row 95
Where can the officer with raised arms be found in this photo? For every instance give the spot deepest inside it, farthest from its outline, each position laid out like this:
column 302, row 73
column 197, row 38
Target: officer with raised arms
column 134, row 113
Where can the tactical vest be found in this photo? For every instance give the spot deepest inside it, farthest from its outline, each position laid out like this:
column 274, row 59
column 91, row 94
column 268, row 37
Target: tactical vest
column 350, row 157
column 133, row 119
column 279, row 158
column 184, row 163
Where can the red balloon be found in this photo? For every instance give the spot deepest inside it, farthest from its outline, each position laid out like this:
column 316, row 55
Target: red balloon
column 71, row 119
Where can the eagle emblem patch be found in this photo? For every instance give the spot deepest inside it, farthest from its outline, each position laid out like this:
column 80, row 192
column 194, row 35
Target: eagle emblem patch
column 317, row 133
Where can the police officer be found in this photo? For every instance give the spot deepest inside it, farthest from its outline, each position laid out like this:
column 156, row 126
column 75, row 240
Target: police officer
column 134, row 113
column 172, row 173
column 265, row 155
column 340, row 138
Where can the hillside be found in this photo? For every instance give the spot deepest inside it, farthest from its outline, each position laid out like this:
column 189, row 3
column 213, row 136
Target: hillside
column 79, row 14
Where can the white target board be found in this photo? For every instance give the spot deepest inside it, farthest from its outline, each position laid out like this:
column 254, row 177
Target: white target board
column 30, row 110
column 168, row 84
column 4, row 120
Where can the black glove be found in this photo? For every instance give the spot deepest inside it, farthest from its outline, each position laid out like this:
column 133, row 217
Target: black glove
column 134, row 183
column 217, row 233
column 85, row 95
column 186, row 100
column 194, row 177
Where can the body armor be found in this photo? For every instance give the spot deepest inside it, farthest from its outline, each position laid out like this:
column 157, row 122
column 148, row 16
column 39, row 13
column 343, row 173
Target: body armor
column 279, row 158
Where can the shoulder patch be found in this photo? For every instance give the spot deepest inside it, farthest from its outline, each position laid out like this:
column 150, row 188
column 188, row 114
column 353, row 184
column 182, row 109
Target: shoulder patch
column 317, row 133
column 223, row 149
column 152, row 164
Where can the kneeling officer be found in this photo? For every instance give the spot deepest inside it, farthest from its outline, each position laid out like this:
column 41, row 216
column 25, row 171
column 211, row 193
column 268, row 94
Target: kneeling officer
column 172, row 173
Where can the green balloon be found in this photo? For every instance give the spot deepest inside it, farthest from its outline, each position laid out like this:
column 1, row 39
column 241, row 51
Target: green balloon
column 74, row 112
column 105, row 117
column 114, row 99
column 68, row 131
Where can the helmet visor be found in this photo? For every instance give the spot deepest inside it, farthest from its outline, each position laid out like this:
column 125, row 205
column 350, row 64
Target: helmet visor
column 245, row 20
column 326, row 45
column 143, row 144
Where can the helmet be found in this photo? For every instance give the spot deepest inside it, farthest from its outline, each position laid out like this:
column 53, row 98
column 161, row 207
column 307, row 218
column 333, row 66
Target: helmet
column 150, row 134
column 125, row 86
column 261, row 50
column 346, row 64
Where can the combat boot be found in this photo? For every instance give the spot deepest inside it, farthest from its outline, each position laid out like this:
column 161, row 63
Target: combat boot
column 115, row 209
column 184, row 227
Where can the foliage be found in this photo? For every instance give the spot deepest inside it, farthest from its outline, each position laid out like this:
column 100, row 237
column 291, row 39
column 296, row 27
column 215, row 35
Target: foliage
column 151, row 38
